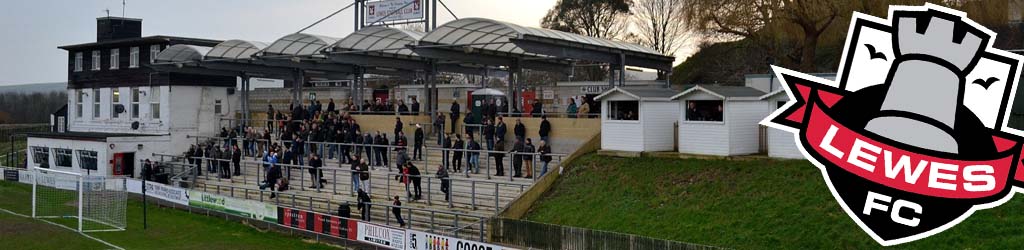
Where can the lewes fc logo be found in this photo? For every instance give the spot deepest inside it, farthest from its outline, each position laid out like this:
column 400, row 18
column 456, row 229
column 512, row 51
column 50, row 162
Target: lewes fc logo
column 911, row 137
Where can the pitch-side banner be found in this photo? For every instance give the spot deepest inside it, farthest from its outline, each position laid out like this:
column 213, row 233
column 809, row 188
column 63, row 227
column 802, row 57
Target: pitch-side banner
column 245, row 208
column 388, row 237
column 419, row 240
column 392, row 10
column 317, row 222
column 160, row 191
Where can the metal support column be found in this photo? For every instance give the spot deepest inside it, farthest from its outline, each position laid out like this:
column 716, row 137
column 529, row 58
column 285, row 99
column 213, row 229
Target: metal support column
column 622, row 69
column 428, row 89
column 514, row 73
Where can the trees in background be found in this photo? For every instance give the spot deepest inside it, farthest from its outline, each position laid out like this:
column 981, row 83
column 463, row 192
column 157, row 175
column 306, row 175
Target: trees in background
column 30, row 108
column 595, row 18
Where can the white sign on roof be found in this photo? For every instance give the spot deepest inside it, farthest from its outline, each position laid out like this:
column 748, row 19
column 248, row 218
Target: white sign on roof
column 392, row 10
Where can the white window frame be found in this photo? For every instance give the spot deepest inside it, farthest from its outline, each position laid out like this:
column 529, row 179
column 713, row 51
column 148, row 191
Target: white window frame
column 115, row 98
column 115, row 57
column 686, row 110
column 154, row 103
column 39, row 155
column 84, row 155
column 96, row 60
column 79, row 103
column 153, row 50
column 607, row 111
column 59, row 152
column 218, row 106
column 135, row 100
column 78, row 61
column 96, row 103
column 133, row 62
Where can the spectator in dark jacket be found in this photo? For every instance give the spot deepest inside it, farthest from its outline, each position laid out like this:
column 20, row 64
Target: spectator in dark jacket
column 517, row 159
column 415, row 106
column 500, row 129
column 398, row 125
column 474, row 157
column 364, row 205
column 545, row 128
column 458, row 146
column 520, row 130
column 529, row 149
column 442, row 174
column 415, row 177
column 330, row 106
column 315, row 171
column 447, row 146
column 439, row 128
column 488, row 134
column 236, row 159
column 454, row 113
column 499, row 155
column 397, row 210
column 418, row 138
column 545, row 156
column 538, row 108
column 273, row 178
column 368, row 146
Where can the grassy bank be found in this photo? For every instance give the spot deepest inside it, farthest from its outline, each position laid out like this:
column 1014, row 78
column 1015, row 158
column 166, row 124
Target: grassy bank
column 168, row 229
column 763, row 204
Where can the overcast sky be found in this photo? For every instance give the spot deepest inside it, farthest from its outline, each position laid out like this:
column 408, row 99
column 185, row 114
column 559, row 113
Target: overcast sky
column 32, row 29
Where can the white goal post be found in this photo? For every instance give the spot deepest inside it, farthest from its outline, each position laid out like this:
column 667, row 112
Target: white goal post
column 91, row 203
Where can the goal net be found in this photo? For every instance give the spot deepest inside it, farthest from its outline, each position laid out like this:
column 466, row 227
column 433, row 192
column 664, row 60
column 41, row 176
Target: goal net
column 85, row 203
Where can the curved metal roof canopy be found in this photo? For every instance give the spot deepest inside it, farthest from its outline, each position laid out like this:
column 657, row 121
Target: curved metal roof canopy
column 182, row 53
column 380, row 41
column 299, row 44
column 511, row 40
column 235, row 49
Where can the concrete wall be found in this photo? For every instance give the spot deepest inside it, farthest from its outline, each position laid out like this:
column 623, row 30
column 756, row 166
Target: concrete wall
column 659, row 119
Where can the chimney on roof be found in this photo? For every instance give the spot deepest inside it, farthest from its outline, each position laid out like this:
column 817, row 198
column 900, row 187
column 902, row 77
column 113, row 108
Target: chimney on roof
column 113, row 28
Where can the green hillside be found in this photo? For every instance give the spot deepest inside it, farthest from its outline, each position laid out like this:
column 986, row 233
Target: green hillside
column 756, row 204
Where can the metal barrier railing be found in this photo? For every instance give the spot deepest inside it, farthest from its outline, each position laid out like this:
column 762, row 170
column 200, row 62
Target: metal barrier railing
column 391, row 152
column 307, row 202
column 470, row 191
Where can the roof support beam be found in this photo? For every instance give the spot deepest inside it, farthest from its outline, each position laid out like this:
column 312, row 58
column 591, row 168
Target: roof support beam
column 565, row 51
column 479, row 58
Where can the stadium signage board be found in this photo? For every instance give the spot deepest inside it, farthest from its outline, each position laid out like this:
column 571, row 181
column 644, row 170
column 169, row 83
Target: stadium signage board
column 244, row 208
column 382, row 236
column 159, row 191
column 419, row 240
column 392, row 10
column 11, row 175
column 317, row 222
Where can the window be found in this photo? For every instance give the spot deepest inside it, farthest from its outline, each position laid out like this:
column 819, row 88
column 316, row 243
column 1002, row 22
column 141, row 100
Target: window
column 133, row 61
column 153, row 50
column 154, row 103
column 624, row 110
column 115, row 56
column 78, row 62
column 87, row 159
column 79, row 96
column 704, row 111
column 62, row 157
column 216, row 107
column 95, row 60
column 135, row 102
column 96, row 103
column 115, row 99
column 41, row 157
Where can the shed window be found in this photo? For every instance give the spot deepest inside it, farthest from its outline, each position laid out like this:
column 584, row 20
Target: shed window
column 41, row 156
column 87, row 159
column 62, row 157
column 624, row 110
column 704, row 111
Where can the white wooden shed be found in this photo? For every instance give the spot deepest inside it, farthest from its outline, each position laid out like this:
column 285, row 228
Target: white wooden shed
column 780, row 143
column 638, row 119
column 720, row 120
